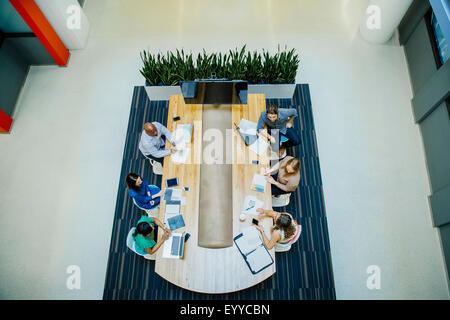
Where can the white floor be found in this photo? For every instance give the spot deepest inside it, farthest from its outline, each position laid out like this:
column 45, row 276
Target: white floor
column 59, row 168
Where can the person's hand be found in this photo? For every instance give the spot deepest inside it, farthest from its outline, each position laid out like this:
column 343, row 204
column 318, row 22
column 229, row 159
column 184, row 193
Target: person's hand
column 258, row 227
column 267, row 172
column 152, row 202
column 288, row 125
column 173, row 150
column 272, row 139
column 271, row 180
column 260, row 211
column 165, row 236
column 167, row 231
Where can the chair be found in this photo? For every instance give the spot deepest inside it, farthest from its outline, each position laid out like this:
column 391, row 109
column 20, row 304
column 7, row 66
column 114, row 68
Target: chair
column 281, row 201
column 157, row 166
column 153, row 213
column 286, row 246
column 131, row 244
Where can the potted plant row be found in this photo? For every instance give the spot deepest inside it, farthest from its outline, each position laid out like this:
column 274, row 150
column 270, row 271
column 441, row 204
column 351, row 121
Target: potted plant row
column 257, row 68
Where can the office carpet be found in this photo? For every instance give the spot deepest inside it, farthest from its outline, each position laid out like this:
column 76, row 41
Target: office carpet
column 304, row 272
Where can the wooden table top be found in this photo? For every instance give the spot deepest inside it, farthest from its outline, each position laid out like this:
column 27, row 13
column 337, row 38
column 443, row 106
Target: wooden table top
column 209, row 270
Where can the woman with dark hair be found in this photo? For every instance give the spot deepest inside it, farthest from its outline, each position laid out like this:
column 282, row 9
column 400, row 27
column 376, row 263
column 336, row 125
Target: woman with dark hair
column 144, row 235
column 284, row 177
column 283, row 230
column 146, row 196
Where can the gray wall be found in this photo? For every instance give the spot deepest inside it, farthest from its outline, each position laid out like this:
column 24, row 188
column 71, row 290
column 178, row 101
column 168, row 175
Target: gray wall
column 431, row 87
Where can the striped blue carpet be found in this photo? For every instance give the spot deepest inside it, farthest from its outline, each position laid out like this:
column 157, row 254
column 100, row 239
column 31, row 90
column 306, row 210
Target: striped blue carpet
column 304, row 272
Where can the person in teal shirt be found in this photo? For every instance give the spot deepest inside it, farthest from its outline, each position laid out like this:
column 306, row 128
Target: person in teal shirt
column 144, row 235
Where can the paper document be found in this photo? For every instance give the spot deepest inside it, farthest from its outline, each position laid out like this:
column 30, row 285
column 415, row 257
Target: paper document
column 251, row 203
column 172, row 208
column 180, row 156
column 183, row 133
column 260, row 146
column 259, row 183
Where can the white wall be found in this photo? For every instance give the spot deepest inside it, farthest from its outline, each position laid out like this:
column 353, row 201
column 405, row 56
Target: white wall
column 59, row 168
column 68, row 20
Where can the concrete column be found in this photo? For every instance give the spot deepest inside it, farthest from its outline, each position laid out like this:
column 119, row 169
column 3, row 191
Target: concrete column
column 381, row 19
column 68, row 20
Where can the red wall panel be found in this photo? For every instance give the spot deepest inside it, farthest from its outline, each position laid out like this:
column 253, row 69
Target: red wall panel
column 38, row 23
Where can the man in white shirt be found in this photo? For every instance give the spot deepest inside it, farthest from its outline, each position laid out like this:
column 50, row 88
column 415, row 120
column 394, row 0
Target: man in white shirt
column 152, row 140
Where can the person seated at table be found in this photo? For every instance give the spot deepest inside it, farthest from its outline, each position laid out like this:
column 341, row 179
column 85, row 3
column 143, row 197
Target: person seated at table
column 146, row 196
column 284, row 176
column 152, row 141
column 279, row 123
column 144, row 235
column 283, row 227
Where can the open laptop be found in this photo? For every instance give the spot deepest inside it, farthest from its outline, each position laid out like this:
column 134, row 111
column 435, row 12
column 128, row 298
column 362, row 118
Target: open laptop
column 174, row 246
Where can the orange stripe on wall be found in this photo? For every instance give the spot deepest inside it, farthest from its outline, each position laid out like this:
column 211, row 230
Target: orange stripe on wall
column 5, row 122
column 38, row 23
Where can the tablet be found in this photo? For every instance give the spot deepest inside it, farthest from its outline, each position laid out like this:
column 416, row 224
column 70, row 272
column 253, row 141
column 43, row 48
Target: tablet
column 171, row 182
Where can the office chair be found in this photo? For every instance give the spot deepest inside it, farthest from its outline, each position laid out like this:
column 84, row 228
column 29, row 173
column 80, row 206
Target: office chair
column 286, row 246
column 152, row 213
column 131, row 244
column 281, row 201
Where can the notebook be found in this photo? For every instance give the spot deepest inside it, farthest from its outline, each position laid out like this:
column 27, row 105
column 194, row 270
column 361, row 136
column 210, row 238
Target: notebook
column 176, row 222
column 253, row 251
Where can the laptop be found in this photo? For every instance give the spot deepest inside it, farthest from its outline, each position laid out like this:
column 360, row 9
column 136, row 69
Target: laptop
column 174, row 246
column 248, row 138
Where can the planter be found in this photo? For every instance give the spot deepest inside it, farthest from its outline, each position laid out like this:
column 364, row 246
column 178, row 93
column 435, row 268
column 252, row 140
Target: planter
column 273, row 91
column 156, row 93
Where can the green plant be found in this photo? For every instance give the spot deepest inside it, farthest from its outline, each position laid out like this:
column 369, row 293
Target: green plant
column 171, row 68
column 253, row 71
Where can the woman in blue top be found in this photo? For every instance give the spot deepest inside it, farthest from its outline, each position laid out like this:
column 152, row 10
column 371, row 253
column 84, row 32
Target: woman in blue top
column 146, row 196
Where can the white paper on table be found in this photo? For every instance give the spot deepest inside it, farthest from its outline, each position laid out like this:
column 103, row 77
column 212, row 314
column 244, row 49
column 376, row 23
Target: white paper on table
column 172, row 209
column 180, row 156
column 176, row 194
column 259, row 146
column 183, row 133
column 251, row 201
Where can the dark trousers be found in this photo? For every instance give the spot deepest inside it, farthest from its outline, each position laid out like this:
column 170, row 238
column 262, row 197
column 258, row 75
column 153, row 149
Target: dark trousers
column 275, row 190
column 291, row 134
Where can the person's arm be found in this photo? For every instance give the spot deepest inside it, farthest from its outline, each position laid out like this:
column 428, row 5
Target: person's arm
column 264, row 212
column 161, row 225
column 274, row 238
column 273, row 169
column 158, row 244
column 165, row 132
column 291, row 113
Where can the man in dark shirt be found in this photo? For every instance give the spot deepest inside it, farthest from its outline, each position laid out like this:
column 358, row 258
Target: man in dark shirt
column 279, row 124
